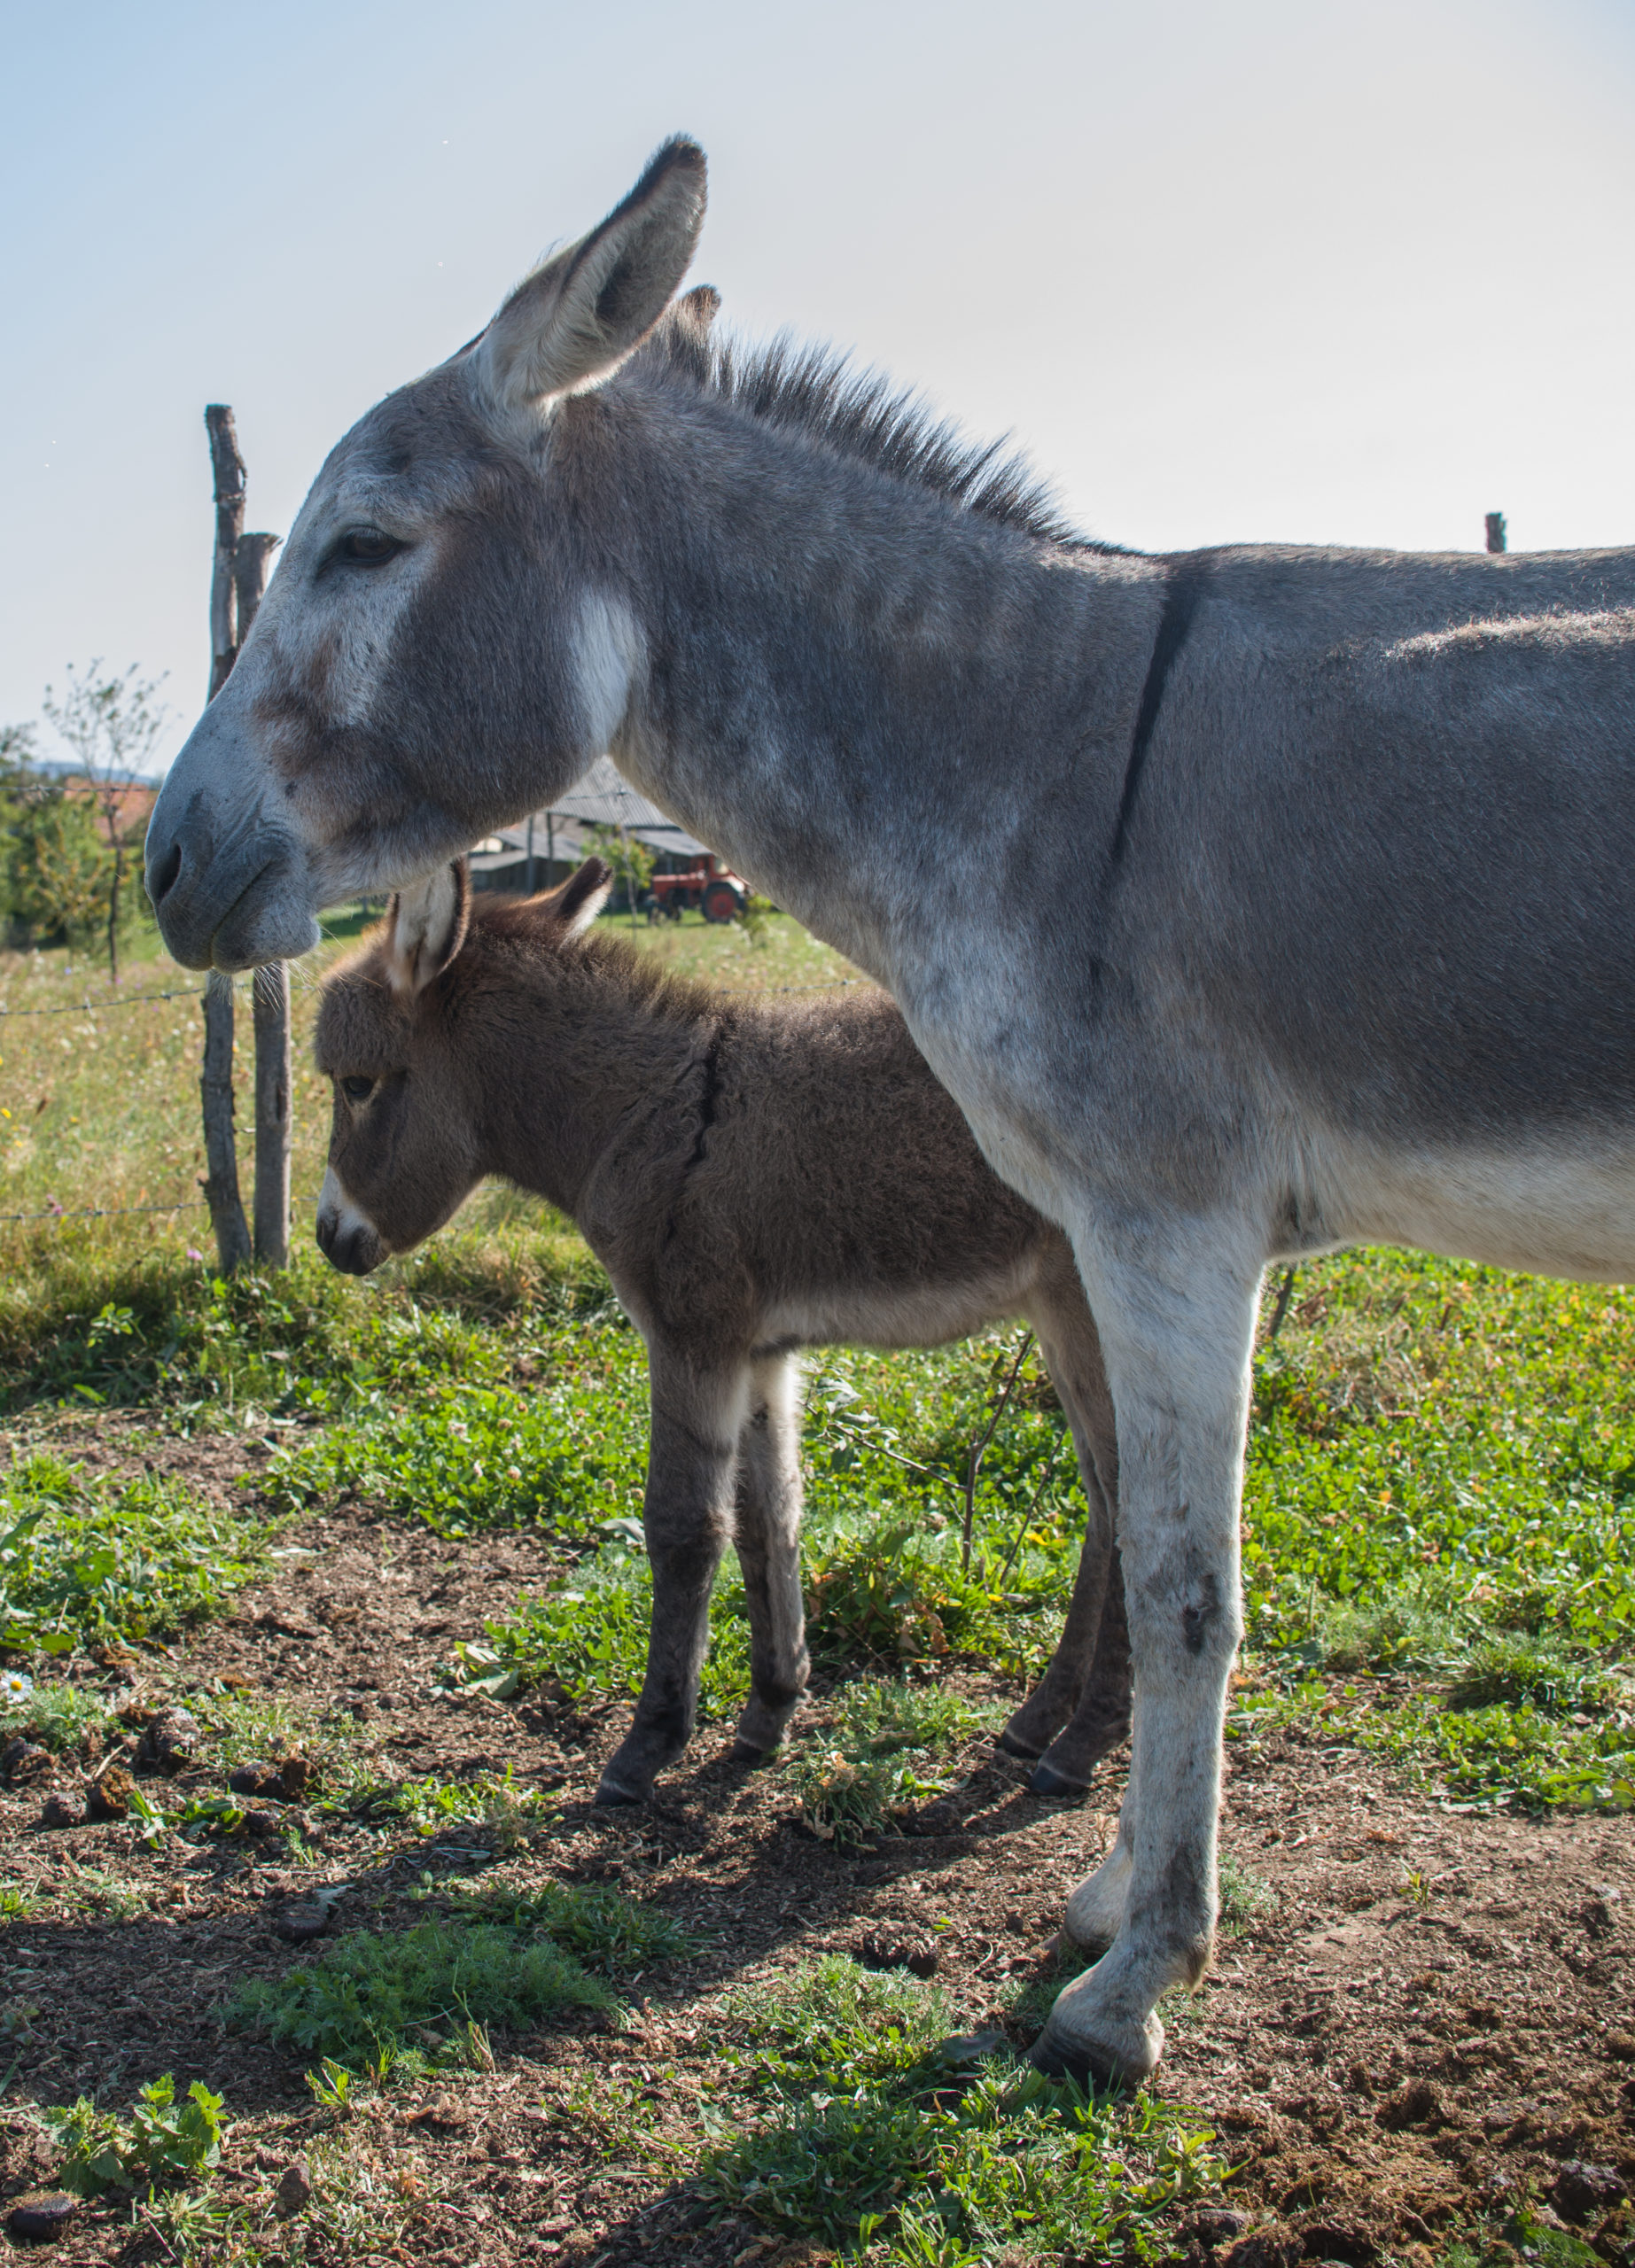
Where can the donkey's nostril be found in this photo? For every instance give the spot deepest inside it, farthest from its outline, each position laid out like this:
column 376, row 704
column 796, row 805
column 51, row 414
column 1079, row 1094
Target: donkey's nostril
column 326, row 1235
column 164, row 879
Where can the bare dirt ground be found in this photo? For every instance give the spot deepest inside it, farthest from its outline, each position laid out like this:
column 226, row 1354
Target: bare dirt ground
column 1432, row 2017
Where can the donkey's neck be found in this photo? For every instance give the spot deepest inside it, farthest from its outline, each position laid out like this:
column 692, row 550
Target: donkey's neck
column 831, row 668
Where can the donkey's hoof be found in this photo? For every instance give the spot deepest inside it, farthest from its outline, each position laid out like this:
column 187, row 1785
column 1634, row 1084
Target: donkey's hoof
column 1092, row 2058
column 747, row 1758
column 612, row 1793
column 1046, row 1781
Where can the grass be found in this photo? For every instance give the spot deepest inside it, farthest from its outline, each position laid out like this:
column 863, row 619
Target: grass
column 86, row 1561
column 377, row 2003
column 869, row 2139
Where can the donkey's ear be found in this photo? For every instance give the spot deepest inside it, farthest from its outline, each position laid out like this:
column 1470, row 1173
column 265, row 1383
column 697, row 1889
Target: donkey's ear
column 425, row 927
column 583, row 897
column 576, row 318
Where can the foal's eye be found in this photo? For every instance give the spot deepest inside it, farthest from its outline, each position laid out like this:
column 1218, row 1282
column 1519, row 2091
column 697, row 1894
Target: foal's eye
column 367, row 546
column 359, row 1089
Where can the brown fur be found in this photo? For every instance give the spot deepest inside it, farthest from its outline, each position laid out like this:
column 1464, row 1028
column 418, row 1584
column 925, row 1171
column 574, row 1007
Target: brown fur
column 756, row 1175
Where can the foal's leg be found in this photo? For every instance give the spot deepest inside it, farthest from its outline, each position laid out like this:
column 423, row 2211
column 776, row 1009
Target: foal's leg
column 1177, row 1320
column 1080, row 1708
column 692, row 1450
column 768, row 1539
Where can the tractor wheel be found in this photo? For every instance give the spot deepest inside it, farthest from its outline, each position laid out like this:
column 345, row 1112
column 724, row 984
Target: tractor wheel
column 721, row 903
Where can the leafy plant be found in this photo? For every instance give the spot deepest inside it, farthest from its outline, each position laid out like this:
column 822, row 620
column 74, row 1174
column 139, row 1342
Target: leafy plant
column 161, row 2138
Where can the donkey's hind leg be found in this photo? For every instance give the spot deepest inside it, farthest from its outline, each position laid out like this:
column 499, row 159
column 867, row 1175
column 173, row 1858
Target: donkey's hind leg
column 768, row 1538
column 1080, row 1708
column 692, row 1450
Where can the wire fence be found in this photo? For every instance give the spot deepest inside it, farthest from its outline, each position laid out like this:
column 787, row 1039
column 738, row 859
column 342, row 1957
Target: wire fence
column 90, row 1007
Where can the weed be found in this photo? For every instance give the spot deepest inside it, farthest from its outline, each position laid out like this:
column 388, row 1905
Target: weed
column 601, row 1928
column 17, row 1904
column 60, row 1717
column 160, row 2138
column 359, row 2003
column 880, row 1759
column 836, row 2025
column 489, row 1799
column 1245, row 1897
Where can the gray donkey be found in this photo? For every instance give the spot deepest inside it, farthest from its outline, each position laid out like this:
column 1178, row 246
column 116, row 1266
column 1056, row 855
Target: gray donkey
column 757, row 1177
column 1250, row 902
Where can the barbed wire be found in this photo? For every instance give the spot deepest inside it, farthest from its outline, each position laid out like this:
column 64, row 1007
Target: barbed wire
column 760, row 991
column 90, row 1007
column 102, row 1212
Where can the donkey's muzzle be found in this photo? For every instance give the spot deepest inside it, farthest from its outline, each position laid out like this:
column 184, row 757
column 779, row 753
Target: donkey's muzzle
column 228, row 880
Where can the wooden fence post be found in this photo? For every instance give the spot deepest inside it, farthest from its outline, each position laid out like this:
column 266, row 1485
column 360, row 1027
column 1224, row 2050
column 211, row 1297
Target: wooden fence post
column 269, row 998
column 239, row 578
column 1495, row 531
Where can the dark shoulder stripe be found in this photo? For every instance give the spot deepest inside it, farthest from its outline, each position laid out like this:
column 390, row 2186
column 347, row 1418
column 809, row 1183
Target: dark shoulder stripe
column 1180, row 598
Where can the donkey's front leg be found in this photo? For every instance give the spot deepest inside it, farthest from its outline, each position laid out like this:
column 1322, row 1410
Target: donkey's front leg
column 692, row 1447
column 1177, row 1326
column 768, row 1538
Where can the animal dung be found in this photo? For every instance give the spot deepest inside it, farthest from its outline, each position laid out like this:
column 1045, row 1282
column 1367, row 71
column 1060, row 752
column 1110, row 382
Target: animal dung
column 38, row 2218
column 109, row 1795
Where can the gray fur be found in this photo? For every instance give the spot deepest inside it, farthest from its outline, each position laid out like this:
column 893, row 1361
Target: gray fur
column 1250, row 902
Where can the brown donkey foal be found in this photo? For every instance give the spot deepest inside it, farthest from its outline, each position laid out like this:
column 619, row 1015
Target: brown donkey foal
column 756, row 1177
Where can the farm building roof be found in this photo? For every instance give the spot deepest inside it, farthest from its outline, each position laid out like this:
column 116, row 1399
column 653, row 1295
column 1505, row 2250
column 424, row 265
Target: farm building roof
column 602, row 798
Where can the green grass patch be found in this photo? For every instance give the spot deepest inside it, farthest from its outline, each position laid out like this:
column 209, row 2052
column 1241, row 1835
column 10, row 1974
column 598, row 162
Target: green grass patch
column 397, row 2002
column 870, row 2141
column 1440, row 1508
column 87, row 1561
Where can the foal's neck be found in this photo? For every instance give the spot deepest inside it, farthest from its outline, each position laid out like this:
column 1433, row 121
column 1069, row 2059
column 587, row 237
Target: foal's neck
column 583, row 1047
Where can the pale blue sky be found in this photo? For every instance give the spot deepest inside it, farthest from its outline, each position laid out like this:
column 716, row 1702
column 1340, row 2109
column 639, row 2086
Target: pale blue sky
column 1273, row 271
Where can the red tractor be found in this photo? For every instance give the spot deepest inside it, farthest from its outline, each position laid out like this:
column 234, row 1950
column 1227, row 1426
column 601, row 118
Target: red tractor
column 708, row 886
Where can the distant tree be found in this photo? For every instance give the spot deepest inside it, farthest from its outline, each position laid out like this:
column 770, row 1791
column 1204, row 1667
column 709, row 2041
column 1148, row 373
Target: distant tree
column 633, row 862
column 112, row 724
column 55, row 869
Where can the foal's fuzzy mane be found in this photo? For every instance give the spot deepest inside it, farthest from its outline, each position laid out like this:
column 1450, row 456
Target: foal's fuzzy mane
column 816, row 392
column 643, row 976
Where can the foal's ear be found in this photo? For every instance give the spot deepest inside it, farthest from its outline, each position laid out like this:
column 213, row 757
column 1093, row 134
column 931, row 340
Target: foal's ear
column 576, row 318
column 583, row 897
column 425, row 927
column 699, row 307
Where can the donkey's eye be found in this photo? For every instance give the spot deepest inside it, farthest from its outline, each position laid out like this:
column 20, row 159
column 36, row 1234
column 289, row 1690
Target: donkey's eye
column 359, row 1089
column 367, row 546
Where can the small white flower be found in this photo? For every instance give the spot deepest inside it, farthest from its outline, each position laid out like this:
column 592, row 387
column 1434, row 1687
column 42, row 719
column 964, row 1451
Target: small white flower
column 513, row 1473
column 14, row 1686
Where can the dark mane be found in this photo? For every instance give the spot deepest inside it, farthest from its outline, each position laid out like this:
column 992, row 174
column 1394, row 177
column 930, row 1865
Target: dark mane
column 815, row 392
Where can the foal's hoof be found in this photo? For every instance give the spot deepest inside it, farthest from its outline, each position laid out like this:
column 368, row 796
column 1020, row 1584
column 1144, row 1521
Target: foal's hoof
column 1046, row 1780
column 746, row 1757
column 1013, row 1745
column 613, row 1793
